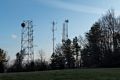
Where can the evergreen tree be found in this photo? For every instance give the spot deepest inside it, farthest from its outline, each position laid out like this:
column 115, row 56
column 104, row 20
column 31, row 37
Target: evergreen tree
column 57, row 58
column 76, row 51
column 92, row 50
column 3, row 59
column 69, row 56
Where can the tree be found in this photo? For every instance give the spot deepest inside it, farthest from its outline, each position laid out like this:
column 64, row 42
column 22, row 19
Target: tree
column 103, row 48
column 92, row 51
column 53, row 61
column 17, row 66
column 41, row 63
column 69, row 56
column 3, row 59
column 110, row 29
column 76, row 51
column 58, row 59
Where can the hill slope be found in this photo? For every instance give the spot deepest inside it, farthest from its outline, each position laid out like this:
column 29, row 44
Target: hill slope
column 73, row 74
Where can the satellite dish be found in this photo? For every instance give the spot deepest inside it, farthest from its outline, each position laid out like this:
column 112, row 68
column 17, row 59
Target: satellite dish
column 67, row 21
column 23, row 25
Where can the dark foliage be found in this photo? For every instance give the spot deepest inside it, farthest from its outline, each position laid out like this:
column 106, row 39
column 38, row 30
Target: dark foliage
column 103, row 48
column 3, row 60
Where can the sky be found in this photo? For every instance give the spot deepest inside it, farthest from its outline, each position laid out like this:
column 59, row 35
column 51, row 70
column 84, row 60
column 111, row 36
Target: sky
column 80, row 13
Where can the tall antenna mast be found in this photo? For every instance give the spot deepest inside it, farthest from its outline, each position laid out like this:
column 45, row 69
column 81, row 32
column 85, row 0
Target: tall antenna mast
column 65, row 31
column 66, row 25
column 53, row 31
column 27, row 50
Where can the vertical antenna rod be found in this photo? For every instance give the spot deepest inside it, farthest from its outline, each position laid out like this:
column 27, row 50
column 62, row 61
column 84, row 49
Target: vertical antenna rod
column 53, row 30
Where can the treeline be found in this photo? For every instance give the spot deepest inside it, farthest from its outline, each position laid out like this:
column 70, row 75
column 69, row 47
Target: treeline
column 66, row 55
column 103, row 47
column 21, row 65
column 100, row 47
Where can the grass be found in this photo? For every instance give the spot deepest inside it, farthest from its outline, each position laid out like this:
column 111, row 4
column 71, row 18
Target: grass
column 73, row 74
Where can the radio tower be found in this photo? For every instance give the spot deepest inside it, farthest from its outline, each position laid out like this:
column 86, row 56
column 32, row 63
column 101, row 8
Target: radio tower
column 65, row 31
column 53, row 31
column 27, row 50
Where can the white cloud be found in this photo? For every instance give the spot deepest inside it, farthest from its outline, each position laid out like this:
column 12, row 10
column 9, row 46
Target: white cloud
column 75, row 7
column 14, row 36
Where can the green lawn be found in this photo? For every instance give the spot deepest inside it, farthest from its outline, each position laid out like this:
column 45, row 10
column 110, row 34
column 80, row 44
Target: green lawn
column 73, row 74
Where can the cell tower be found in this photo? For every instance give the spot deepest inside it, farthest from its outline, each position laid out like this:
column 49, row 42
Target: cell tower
column 27, row 49
column 53, row 31
column 65, row 31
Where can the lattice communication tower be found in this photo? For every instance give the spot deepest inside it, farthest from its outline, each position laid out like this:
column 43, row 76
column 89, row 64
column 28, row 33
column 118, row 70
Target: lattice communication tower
column 27, row 48
column 65, row 31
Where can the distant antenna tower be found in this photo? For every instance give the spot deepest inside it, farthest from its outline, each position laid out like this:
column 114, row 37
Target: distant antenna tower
column 65, row 31
column 27, row 49
column 53, row 31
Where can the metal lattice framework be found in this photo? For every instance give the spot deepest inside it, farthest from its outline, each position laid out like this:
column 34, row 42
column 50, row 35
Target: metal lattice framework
column 65, row 31
column 27, row 49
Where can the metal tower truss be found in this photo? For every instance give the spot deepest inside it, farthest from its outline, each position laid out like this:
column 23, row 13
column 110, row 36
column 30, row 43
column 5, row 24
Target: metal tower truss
column 27, row 48
column 65, row 31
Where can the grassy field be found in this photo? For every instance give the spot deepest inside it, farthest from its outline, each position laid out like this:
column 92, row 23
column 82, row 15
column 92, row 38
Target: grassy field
column 73, row 74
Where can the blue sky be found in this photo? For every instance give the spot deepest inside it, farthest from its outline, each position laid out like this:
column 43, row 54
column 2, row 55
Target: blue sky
column 81, row 14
